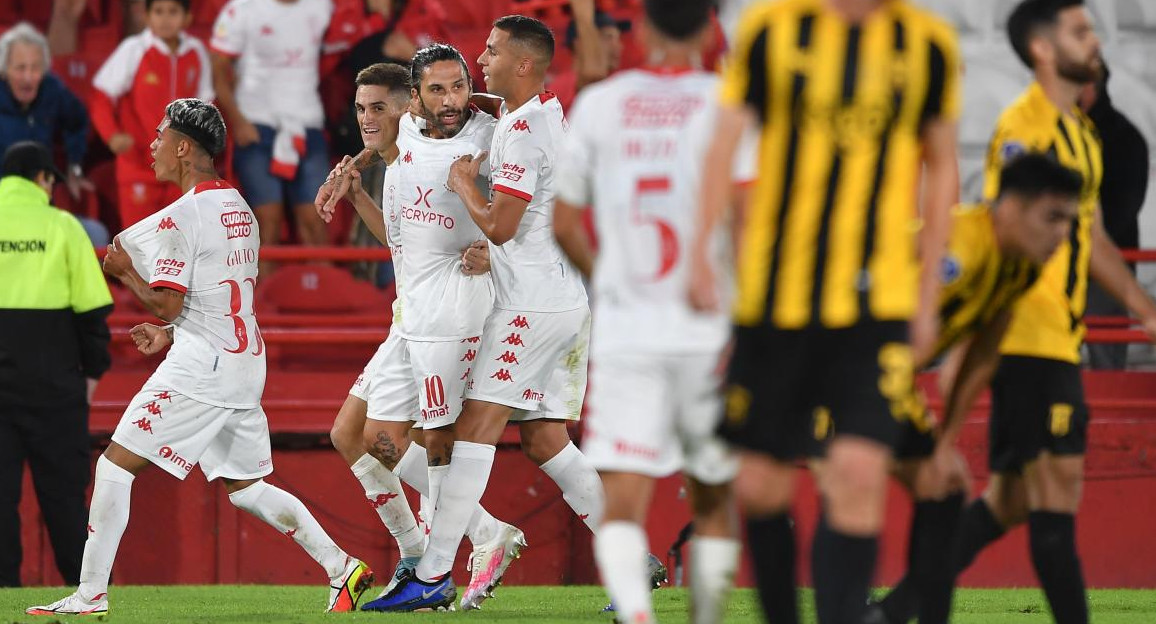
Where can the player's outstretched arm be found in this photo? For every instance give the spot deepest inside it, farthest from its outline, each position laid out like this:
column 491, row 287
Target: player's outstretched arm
column 499, row 219
column 150, row 339
column 713, row 202
column 572, row 238
column 1108, row 269
column 164, row 303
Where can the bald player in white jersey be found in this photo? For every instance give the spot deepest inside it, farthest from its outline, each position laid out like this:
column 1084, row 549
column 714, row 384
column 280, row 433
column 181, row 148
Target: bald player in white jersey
column 634, row 153
column 194, row 263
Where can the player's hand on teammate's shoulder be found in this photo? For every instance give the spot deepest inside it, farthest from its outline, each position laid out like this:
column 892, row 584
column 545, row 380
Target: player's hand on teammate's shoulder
column 116, row 261
column 488, row 104
column 476, row 258
column 464, row 171
column 149, row 338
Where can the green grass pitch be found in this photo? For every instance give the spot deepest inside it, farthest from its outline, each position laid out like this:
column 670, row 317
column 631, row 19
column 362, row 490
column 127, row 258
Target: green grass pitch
column 183, row 604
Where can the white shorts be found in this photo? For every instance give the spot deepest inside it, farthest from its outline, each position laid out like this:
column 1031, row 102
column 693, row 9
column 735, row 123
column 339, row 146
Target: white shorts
column 407, row 381
column 534, row 362
column 656, row 414
column 176, row 432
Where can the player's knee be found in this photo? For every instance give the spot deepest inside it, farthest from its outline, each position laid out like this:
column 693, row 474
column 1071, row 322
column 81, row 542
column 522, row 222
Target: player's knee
column 383, row 446
column 544, row 444
column 761, row 497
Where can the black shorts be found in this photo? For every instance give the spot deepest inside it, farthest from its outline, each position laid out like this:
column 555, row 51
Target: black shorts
column 1037, row 405
column 788, row 389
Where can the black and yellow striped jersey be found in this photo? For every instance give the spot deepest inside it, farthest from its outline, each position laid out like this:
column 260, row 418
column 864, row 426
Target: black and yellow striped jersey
column 978, row 281
column 1048, row 320
column 830, row 233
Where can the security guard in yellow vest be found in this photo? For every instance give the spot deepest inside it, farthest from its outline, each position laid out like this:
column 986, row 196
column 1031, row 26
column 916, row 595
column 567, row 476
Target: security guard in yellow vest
column 54, row 302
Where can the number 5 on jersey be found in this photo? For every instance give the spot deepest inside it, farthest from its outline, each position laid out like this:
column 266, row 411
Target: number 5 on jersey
column 650, row 196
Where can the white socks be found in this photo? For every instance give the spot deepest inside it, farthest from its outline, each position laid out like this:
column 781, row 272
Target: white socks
column 412, row 469
column 581, row 487
column 384, row 493
column 713, row 561
column 283, row 511
column 437, row 474
column 107, row 519
column 620, row 549
column 460, row 492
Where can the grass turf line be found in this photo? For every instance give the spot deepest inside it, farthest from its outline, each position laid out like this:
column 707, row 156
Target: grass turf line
column 295, row 604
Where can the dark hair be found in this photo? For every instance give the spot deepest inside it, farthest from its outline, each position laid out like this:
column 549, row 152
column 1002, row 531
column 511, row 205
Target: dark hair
column 679, row 19
column 200, row 121
column 392, row 76
column 431, row 54
column 1030, row 16
column 185, row 4
column 1032, row 175
column 531, row 33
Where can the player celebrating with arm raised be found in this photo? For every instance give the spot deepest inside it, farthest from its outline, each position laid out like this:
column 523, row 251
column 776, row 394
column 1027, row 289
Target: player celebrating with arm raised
column 531, row 364
column 203, row 403
column 634, row 152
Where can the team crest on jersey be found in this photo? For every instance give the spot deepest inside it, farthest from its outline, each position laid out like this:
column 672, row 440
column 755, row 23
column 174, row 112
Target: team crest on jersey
column 167, row 224
column 949, row 269
column 1011, row 149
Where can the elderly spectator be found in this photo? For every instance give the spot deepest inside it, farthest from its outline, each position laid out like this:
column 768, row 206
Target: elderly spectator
column 35, row 105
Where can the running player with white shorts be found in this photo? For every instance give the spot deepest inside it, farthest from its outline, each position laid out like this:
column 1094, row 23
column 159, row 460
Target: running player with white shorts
column 634, row 152
column 194, row 263
column 531, row 362
column 421, row 371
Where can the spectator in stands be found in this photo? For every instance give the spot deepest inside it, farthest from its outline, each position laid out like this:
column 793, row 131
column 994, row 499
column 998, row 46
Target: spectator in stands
column 1122, row 194
column 132, row 88
column 53, row 347
column 595, row 39
column 265, row 58
column 35, row 105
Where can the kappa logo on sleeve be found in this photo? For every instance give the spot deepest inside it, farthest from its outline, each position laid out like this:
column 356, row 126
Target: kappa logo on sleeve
column 167, row 224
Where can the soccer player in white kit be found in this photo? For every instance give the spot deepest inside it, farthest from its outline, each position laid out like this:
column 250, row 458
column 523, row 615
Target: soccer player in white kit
column 635, row 152
column 531, row 363
column 421, row 371
column 202, row 406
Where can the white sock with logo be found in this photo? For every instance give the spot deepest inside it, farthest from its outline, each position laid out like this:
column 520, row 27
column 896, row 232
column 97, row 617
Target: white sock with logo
column 713, row 561
column 620, row 550
column 460, row 493
column 107, row 519
column 580, row 484
column 423, row 516
column 412, row 469
column 384, row 493
column 284, row 512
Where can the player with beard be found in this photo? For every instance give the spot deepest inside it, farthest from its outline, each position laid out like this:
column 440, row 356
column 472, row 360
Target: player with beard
column 1039, row 421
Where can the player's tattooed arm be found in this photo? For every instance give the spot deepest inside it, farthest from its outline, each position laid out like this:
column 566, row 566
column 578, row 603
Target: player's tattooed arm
column 164, row 303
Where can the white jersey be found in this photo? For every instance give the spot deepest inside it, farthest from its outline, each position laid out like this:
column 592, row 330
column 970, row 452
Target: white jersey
column 635, row 152
column 205, row 245
column 392, row 234
column 440, row 302
column 530, row 272
column 278, row 47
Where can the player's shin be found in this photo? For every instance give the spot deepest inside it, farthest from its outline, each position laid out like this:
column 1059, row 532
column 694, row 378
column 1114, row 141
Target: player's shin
column 714, row 550
column 581, row 487
column 107, row 519
column 384, row 493
column 620, row 548
column 933, row 529
column 284, row 512
column 413, row 470
column 461, row 491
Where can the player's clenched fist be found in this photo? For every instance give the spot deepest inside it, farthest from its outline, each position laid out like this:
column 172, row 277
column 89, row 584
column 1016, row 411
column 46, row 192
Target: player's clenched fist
column 476, row 258
column 464, row 171
column 150, row 339
column 116, row 261
column 337, row 184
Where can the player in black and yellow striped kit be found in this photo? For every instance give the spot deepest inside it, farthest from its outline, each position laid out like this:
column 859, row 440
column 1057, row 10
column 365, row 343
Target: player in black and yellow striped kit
column 994, row 257
column 852, row 99
column 1039, row 421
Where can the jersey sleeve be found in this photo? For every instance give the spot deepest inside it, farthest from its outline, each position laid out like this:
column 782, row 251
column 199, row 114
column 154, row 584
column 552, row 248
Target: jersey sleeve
column 744, row 75
column 115, row 76
column 576, row 158
column 945, row 64
column 88, row 289
column 172, row 267
column 229, row 31
column 524, row 156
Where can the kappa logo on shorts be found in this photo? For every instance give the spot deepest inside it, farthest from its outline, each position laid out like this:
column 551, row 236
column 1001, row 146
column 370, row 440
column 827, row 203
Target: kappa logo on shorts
column 469, row 355
column 473, row 340
column 153, row 408
column 144, row 424
column 508, row 357
column 167, row 224
column 466, row 375
column 514, row 340
column 408, row 158
column 519, row 322
column 167, row 395
column 502, row 375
